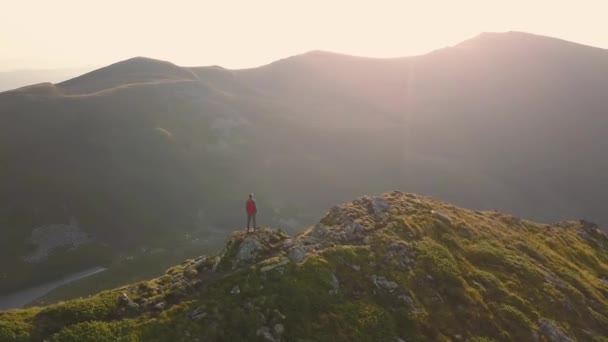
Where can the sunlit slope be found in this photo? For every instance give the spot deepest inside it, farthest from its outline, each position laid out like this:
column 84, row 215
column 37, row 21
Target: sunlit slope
column 375, row 269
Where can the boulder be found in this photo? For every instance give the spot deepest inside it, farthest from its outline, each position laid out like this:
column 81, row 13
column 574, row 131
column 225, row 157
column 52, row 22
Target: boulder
column 407, row 300
column 296, row 254
column 441, row 217
column 385, row 284
column 124, row 298
column 279, row 329
column 248, row 250
column 273, row 266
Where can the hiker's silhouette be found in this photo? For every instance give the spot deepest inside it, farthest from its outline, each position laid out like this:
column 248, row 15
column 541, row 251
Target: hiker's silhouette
column 252, row 210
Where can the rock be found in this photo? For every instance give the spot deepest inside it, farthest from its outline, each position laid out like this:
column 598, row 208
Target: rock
column 385, row 284
column 353, row 230
column 248, row 250
column 589, row 226
column 404, row 256
column 356, row 267
column 279, row 329
column 552, row 332
column 216, row 264
column 335, row 284
column 278, row 314
column 591, row 232
column 199, row 263
column 288, row 243
column 264, row 333
column 272, row 267
column 407, row 300
column 160, row 306
column 235, row 290
column 379, row 206
column 124, row 298
column 441, row 217
column 296, row 254
column 479, row 285
column 197, row 314
column 510, row 219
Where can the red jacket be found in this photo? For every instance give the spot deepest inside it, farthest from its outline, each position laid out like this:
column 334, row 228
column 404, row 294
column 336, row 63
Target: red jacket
column 251, row 208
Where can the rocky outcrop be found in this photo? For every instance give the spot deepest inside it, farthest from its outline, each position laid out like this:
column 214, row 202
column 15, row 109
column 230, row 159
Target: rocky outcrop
column 383, row 283
column 296, row 254
column 248, row 250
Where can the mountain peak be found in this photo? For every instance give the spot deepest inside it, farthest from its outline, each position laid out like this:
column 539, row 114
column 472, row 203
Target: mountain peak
column 517, row 39
column 129, row 71
column 388, row 267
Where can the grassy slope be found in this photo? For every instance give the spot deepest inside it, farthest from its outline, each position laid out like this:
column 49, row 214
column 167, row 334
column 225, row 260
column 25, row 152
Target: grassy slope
column 460, row 275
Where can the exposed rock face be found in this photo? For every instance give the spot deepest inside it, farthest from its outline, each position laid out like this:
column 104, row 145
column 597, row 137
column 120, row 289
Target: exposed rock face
column 126, row 300
column 296, row 254
column 591, row 232
column 552, row 332
column 383, row 283
column 248, row 250
column 402, row 255
column 272, row 267
column 52, row 236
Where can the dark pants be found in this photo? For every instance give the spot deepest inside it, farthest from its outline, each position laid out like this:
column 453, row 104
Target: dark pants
column 249, row 218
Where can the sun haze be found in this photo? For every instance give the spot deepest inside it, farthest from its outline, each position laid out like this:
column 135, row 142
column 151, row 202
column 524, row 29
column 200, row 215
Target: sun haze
column 239, row 34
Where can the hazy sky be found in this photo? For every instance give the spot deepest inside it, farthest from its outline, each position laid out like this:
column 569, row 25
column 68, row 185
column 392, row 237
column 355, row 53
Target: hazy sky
column 236, row 34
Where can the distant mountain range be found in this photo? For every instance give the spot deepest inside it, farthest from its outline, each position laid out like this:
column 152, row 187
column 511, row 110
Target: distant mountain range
column 143, row 151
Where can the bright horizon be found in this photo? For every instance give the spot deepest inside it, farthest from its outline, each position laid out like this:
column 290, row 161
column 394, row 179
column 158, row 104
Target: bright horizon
column 240, row 34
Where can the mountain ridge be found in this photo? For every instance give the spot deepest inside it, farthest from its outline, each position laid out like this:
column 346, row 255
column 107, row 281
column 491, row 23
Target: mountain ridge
column 386, row 267
column 145, row 63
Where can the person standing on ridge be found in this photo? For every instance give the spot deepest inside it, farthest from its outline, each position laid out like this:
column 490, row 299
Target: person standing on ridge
column 251, row 211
